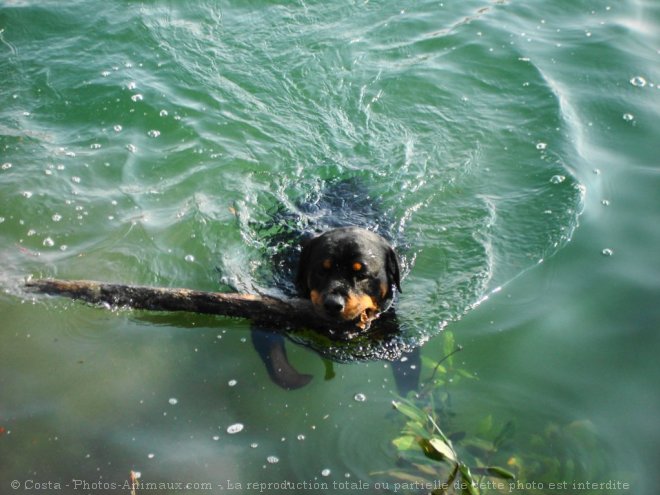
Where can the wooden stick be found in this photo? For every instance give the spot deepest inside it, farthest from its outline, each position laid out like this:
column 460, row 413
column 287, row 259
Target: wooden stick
column 281, row 313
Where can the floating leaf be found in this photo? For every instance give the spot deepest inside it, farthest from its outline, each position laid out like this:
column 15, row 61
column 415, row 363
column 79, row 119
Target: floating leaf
column 406, row 442
column 411, row 411
column 416, row 429
column 436, row 448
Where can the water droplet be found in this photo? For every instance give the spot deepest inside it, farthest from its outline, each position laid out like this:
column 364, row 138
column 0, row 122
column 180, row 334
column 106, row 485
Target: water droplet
column 137, row 97
column 360, row 397
column 189, row 257
column 607, row 252
column 254, row 445
column 638, row 81
column 151, row 456
column 216, row 437
column 272, row 459
column 117, row 128
column 173, row 401
column 163, row 113
column 557, row 179
column 56, row 217
column 153, row 133
column 105, row 73
column 541, row 146
column 75, row 179
column 2, row 219
column 6, row 166
column 301, row 437
column 628, row 117
column 232, row 383
column 605, row 202
column 27, row 194
column 48, row 242
column 95, row 146
column 132, row 85
column 235, row 428
column 325, row 472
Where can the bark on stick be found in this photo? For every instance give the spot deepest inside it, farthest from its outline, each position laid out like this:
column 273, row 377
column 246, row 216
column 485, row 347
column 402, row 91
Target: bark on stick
column 281, row 313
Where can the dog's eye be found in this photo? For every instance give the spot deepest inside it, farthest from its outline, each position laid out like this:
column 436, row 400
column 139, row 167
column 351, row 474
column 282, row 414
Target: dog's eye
column 357, row 266
column 327, row 264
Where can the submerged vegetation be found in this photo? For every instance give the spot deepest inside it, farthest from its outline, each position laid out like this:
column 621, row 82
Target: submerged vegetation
column 437, row 454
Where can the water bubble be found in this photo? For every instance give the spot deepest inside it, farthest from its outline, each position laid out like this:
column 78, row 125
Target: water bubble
column 272, row 459
column 325, row 472
column 131, row 85
column 163, row 113
column 173, row 401
column 301, row 437
column 232, row 383
column 360, row 397
column 557, row 179
column 64, row 247
column 31, row 232
column 131, row 147
column 6, row 166
column 628, row 117
column 95, row 146
column 105, row 73
column 56, row 217
column 153, row 133
column 235, row 428
column 27, row 194
column 541, row 146
column 117, row 128
column 151, row 456
column 216, row 437
column 605, row 202
column 638, row 81
column 254, row 445
column 48, row 242
column 137, row 97
column 607, row 252
column 75, row 179
column 2, row 219
column 189, row 257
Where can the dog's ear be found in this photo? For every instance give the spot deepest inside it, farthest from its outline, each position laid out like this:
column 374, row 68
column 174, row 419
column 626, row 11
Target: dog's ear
column 393, row 269
column 303, row 264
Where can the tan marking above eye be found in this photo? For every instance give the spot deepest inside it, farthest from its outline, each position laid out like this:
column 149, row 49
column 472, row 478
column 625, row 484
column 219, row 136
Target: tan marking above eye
column 327, row 264
column 357, row 266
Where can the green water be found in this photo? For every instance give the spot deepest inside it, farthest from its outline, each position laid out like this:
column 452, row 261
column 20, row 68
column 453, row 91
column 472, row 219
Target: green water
column 513, row 143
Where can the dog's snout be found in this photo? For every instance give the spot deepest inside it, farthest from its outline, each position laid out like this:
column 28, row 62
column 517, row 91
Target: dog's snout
column 334, row 303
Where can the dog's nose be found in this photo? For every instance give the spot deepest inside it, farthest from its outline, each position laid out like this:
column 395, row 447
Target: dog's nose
column 333, row 304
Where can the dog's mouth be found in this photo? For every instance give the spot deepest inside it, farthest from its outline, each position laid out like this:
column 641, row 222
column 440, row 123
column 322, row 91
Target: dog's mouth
column 354, row 310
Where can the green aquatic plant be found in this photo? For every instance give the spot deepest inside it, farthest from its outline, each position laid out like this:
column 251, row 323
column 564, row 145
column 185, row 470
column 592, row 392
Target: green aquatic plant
column 428, row 459
column 437, row 455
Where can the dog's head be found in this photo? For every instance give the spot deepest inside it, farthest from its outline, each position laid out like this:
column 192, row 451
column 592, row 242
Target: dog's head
column 349, row 274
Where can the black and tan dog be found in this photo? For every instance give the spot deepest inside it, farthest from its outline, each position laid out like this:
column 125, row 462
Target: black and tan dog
column 332, row 249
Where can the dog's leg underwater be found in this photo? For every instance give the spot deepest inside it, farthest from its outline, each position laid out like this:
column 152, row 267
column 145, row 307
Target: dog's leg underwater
column 270, row 347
